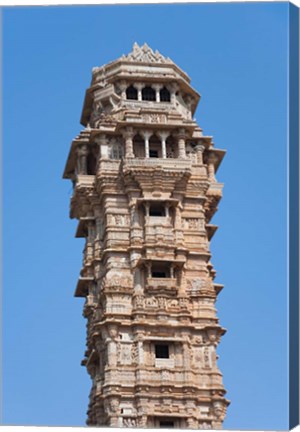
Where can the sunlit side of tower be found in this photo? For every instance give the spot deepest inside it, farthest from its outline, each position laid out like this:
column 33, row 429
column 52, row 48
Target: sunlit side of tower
column 144, row 194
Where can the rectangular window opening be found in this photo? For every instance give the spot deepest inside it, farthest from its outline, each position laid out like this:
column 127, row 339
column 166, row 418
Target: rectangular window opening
column 153, row 153
column 166, row 424
column 160, row 270
column 157, row 211
column 157, row 208
column 159, row 274
column 162, row 351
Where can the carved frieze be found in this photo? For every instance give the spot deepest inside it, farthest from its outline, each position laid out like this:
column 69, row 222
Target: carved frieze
column 195, row 224
column 129, row 422
column 118, row 220
column 154, row 118
column 156, row 303
column 125, row 353
column 113, row 281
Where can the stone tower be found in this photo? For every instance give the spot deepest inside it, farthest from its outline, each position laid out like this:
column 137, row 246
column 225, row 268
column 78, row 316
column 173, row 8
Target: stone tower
column 144, row 194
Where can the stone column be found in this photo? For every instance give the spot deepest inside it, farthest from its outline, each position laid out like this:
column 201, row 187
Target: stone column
column 148, row 266
column 167, row 209
column 147, row 207
column 82, row 153
column 99, row 231
column 186, row 355
column 164, row 136
column 188, row 101
column 90, row 238
column 177, row 217
column 212, row 159
column 157, row 88
column 128, row 136
column 139, row 87
column 123, row 86
column 181, row 144
column 136, row 231
column 146, row 135
column 172, row 271
column 134, row 215
column 112, row 345
column 140, row 352
column 178, row 226
column 112, row 352
column 199, row 152
column 103, row 146
column 138, row 281
column 174, row 87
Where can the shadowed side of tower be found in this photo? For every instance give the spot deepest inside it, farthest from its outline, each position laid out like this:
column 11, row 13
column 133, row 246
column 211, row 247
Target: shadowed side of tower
column 144, row 194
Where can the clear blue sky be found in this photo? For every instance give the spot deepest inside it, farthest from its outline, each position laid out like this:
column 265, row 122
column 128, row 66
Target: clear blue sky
column 236, row 55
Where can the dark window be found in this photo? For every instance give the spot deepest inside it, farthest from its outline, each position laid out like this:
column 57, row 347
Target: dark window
column 131, row 93
column 160, row 270
column 157, row 210
column 159, row 274
column 91, row 164
column 162, row 351
column 148, row 94
column 166, row 424
column 153, row 153
column 165, row 95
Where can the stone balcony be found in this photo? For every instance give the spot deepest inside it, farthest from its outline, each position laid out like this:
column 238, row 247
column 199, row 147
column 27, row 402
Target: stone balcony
column 157, row 106
column 215, row 188
column 164, row 363
column 158, row 235
column 167, row 163
column 83, row 185
column 166, row 284
column 157, row 174
column 108, row 165
column 159, row 220
column 84, row 181
column 214, row 195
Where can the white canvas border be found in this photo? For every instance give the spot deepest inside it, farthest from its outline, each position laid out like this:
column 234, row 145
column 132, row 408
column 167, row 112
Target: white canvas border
column 9, row 3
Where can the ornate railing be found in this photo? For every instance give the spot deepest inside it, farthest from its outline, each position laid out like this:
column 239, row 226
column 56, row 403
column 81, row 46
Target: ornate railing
column 85, row 180
column 167, row 162
column 166, row 283
column 215, row 188
column 109, row 165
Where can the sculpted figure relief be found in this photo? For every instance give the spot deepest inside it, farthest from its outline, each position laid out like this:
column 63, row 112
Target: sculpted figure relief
column 204, row 425
column 207, row 358
column 129, row 422
column 139, row 301
column 121, row 219
column 151, row 302
column 114, row 405
column 125, row 353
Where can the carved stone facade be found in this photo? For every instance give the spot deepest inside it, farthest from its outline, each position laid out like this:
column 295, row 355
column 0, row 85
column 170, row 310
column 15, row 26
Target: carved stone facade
column 144, row 194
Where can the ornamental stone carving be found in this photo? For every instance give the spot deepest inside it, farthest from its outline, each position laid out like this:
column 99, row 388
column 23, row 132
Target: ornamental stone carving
column 145, row 54
column 129, row 422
